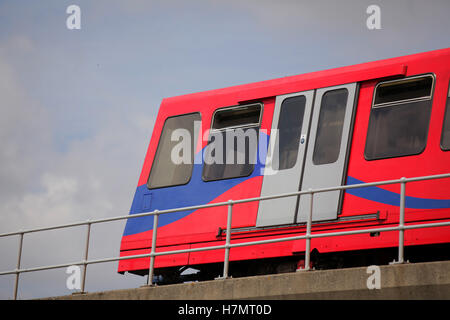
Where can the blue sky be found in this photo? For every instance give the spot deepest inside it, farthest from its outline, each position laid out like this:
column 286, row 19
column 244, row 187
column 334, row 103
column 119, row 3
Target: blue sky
column 78, row 106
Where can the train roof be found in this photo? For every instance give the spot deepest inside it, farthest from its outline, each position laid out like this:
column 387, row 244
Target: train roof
column 319, row 79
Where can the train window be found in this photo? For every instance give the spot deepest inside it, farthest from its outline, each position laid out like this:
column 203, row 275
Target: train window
column 233, row 142
column 329, row 127
column 445, row 140
column 237, row 117
column 408, row 89
column 399, row 118
column 165, row 172
column 289, row 130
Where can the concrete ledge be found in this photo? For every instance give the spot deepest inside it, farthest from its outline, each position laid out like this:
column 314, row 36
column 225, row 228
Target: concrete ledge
column 429, row 280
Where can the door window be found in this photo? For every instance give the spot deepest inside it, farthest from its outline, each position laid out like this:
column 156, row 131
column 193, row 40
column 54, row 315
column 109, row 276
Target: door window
column 329, row 128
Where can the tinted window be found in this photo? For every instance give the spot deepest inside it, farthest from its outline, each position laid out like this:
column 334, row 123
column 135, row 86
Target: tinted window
column 237, row 116
column 166, row 172
column 399, row 128
column 394, row 91
column 445, row 141
column 230, row 154
column 233, row 143
column 289, row 130
column 329, row 128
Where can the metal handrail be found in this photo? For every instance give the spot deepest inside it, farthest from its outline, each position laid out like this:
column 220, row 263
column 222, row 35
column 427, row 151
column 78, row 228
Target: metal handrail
column 228, row 246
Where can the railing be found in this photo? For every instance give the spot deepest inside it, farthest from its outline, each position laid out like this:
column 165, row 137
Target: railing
column 228, row 246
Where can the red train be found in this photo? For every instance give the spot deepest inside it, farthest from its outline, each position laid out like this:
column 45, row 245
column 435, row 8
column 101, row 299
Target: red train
column 364, row 123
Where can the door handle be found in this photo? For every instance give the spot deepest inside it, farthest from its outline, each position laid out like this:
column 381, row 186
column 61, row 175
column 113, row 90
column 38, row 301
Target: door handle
column 302, row 138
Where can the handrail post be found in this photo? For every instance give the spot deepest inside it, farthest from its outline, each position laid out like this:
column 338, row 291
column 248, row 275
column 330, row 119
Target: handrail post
column 227, row 241
column 19, row 257
column 401, row 235
column 401, row 223
column 152, row 253
column 308, row 234
column 86, row 255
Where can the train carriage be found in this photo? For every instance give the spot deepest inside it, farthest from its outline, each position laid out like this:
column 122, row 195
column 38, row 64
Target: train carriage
column 369, row 122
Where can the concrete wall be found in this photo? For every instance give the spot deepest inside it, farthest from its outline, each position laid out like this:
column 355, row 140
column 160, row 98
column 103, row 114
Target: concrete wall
column 429, row 280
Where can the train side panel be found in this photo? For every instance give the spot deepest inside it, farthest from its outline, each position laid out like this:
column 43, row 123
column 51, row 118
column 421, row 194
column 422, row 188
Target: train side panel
column 361, row 208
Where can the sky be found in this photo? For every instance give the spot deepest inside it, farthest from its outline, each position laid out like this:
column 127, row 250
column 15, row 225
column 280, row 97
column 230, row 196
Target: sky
column 77, row 106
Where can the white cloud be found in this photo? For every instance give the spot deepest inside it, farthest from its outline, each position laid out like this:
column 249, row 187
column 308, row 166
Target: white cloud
column 43, row 186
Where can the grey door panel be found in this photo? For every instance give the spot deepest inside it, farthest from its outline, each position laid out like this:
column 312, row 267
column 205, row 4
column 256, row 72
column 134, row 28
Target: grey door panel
column 285, row 157
column 326, row 156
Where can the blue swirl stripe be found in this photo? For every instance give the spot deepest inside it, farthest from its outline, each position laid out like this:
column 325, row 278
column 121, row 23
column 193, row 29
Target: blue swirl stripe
column 392, row 198
column 196, row 192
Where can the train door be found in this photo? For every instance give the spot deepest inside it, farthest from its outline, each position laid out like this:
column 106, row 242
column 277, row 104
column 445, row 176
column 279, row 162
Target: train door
column 327, row 154
column 284, row 161
column 311, row 151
